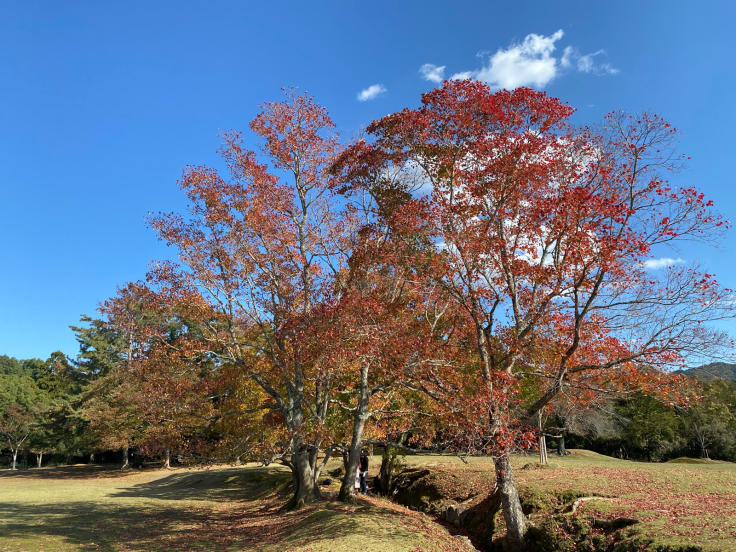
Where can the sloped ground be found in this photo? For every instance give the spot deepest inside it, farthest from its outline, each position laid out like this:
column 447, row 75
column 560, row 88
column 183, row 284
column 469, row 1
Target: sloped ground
column 678, row 504
column 87, row 509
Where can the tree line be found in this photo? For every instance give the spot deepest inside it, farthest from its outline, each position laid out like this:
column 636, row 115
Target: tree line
column 644, row 428
column 463, row 273
column 47, row 406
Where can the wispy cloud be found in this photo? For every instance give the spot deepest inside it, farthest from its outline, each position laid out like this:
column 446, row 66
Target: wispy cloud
column 432, row 72
column 371, row 93
column 531, row 62
column 462, row 75
column 662, row 262
column 572, row 58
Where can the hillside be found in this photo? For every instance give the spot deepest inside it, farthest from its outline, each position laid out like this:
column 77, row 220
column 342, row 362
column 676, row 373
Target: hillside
column 714, row 370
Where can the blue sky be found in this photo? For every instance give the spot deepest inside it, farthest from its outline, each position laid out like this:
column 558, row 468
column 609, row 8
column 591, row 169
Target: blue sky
column 103, row 103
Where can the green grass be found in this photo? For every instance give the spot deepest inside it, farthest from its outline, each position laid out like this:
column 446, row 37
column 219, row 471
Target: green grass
column 679, row 503
column 86, row 509
column 89, row 508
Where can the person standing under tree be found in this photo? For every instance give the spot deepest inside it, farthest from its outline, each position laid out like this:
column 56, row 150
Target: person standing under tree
column 363, row 468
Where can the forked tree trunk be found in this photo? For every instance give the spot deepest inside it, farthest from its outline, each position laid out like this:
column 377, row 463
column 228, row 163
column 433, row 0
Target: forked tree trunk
column 510, row 503
column 167, row 458
column 39, row 459
column 14, row 464
column 126, row 460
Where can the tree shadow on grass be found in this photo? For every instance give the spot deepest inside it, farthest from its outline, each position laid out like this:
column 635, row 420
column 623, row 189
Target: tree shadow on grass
column 80, row 471
column 224, row 509
column 95, row 526
column 234, row 484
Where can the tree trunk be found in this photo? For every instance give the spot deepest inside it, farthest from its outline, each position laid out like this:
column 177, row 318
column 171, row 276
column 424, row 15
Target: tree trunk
column 703, row 446
column 345, row 461
column 347, row 489
column 39, row 459
column 167, row 459
column 303, row 475
column 303, row 461
column 126, row 460
column 388, row 467
column 561, row 450
column 91, row 457
column 512, row 512
column 14, row 464
column 542, row 449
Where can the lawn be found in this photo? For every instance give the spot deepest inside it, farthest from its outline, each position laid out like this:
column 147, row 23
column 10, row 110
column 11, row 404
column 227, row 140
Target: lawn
column 686, row 503
column 84, row 508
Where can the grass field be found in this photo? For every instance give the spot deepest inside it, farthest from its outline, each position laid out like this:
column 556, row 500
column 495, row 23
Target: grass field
column 84, row 508
column 686, row 503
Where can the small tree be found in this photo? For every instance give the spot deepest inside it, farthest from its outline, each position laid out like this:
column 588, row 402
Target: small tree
column 19, row 411
column 16, row 425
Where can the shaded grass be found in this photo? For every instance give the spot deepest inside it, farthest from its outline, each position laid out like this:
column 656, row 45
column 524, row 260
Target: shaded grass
column 89, row 508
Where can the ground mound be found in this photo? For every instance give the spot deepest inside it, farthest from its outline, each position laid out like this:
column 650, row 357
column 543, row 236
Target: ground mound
column 686, row 460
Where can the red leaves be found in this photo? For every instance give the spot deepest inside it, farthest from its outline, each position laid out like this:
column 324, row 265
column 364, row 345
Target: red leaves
column 539, row 232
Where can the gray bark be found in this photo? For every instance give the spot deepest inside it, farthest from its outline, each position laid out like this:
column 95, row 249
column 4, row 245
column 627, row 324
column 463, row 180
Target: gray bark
column 39, row 459
column 126, row 460
column 303, row 475
column 167, row 458
column 347, row 489
column 542, row 449
column 511, row 505
column 14, row 464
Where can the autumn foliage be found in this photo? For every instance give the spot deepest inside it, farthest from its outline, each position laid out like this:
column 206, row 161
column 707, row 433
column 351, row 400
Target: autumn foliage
column 462, row 268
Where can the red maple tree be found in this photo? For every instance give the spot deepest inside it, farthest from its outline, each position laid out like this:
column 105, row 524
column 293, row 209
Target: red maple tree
column 540, row 231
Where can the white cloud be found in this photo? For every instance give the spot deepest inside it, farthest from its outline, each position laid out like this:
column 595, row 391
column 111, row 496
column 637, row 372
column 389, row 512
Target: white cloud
column 573, row 59
column 432, row 72
column 662, row 262
column 528, row 63
column 372, row 92
column 532, row 62
column 462, row 75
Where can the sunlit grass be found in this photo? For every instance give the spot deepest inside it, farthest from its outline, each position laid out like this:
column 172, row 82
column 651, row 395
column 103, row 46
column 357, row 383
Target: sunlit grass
column 85, row 509
column 687, row 502
column 226, row 508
